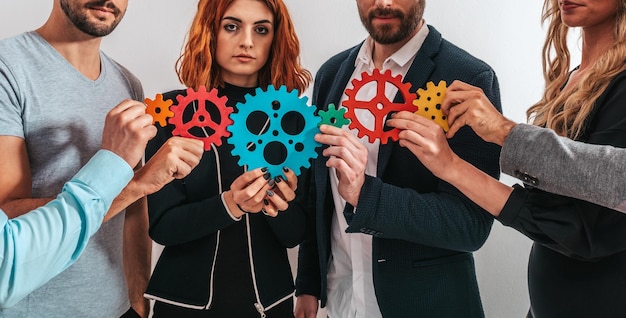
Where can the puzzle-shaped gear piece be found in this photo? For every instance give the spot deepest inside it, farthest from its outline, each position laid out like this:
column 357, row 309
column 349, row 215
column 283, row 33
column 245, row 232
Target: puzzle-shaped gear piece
column 201, row 118
column 159, row 109
column 280, row 107
column 379, row 106
column 429, row 103
column 333, row 116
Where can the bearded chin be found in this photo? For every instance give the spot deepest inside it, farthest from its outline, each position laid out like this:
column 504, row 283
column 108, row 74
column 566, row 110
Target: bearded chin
column 81, row 21
column 387, row 35
column 94, row 30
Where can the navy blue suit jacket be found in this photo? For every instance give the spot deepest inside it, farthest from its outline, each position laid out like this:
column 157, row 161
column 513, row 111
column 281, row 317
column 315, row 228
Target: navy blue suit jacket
column 424, row 230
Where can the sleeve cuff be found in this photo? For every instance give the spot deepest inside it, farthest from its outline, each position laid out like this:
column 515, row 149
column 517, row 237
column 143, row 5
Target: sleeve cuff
column 106, row 173
column 228, row 210
column 516, row 147
column 513, row 205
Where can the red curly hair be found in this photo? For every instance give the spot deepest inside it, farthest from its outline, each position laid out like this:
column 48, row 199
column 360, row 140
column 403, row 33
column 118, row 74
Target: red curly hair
column 197, row 66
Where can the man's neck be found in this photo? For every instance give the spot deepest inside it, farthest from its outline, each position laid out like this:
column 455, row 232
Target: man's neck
column 79, row 49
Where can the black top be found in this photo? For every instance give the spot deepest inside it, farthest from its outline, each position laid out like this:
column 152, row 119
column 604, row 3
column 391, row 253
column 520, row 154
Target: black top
column 577, row 265
column 205, row 262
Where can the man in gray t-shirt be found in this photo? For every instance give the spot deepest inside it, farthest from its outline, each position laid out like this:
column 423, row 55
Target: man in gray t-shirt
column 55, row 90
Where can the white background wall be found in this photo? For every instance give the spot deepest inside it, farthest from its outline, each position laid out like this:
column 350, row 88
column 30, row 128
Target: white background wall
column 505, row 34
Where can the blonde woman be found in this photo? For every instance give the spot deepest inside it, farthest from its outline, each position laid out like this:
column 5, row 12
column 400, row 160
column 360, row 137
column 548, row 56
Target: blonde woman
column 576, row 267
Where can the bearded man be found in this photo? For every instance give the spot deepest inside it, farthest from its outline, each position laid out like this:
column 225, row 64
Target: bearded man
column 391, row 239
column 56, row 87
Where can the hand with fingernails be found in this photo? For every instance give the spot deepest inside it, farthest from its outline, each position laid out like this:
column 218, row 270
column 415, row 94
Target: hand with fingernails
column 257, row 191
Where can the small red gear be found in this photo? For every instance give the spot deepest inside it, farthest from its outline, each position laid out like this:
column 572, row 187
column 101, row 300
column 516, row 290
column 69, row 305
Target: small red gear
column 159, row 109
column 201, row 117
column 380, row 106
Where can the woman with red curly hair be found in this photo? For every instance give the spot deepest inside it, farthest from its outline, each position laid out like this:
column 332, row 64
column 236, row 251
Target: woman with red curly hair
column 226, row 230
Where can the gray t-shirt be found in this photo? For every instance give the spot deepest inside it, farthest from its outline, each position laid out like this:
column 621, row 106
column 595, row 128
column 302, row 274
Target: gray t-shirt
column 60, row 114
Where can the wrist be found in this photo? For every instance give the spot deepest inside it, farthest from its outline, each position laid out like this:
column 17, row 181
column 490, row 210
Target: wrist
column 134, row 190
column 452, row 170
column 241, row 209
column 140, row 307
column 139, row 185
column 233, row 208
column 506, row 130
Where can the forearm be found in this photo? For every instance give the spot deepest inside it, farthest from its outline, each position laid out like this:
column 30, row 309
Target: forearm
column 29, row 259
column 42, row 243
column 541, row 158
column 440, row 218
column 16, row 190
column 130, row 194
column 15, row 208
column 231, row 207
column 487, row 192
column 174, row 220
column 133, row 191
column 413, row 205
column 137, row 254
column 573, row 226
column 570, row 226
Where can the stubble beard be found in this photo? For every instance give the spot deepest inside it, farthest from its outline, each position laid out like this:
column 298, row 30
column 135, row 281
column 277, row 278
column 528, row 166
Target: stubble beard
column 81, row 20
column 387, row 33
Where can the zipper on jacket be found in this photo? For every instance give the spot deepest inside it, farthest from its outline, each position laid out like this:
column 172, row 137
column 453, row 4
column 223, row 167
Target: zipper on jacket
column 217, row 239
column 260, row 309
column 217, row 246
column 257, row 305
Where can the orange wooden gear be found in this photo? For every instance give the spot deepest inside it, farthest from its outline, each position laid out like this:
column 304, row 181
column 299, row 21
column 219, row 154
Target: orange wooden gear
column 159, row 109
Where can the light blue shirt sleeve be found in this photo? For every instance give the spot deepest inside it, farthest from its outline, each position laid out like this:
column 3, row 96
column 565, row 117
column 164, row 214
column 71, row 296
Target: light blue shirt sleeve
column 42, row 243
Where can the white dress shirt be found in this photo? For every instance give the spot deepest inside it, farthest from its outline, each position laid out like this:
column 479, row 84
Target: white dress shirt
column 350, row 280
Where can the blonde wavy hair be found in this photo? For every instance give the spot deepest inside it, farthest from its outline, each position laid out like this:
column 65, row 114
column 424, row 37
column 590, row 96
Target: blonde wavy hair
column 566, row 114
column 197, row 65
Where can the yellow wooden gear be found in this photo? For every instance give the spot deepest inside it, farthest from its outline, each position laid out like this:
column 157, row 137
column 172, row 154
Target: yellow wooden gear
column 429, row 103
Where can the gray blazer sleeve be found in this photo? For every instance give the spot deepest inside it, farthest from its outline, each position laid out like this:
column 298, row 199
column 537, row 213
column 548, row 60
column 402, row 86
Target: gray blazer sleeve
column 542, row 159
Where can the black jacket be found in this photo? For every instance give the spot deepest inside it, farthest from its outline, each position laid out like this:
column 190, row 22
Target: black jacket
column 423, row 229
column 187, row 217
column 576, row 268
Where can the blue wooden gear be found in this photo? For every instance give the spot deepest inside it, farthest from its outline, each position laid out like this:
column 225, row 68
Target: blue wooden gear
column 250, row 146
